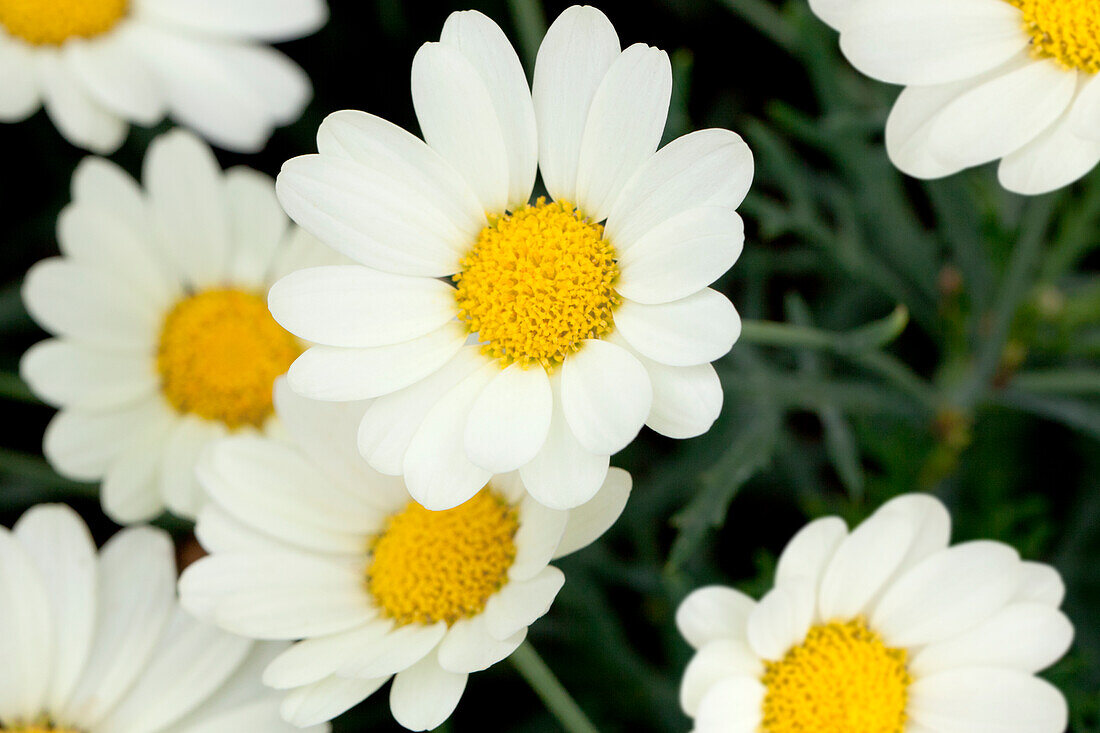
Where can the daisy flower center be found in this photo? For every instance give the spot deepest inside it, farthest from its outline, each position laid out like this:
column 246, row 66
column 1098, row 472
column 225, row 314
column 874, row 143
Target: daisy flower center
column 537, row 283
column 427, row 567
column 1067, row 31
column 220, row 353
column 37, row 728
column 52, row 22
column 841, row 678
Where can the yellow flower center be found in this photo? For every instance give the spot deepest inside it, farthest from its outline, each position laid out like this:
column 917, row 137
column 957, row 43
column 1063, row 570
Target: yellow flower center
column 1067, row 31
column 220, row 353
column 841, row 679
column 427, row 567
column 52, row 22
column 42, row 725
column 537, row 283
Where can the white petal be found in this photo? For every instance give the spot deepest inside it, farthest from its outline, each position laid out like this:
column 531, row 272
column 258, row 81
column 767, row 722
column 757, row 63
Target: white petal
column 137, row 578
column 187, row 197
column 257, row 226
column 425, row 695
column 219, row 531
column 809, row 551
column 116, row 78
column 398, row 650
column 605, row 396
column 324, row 700
column 862, row 563
column 131, row 487
column 89, row 305
column 686, row 400
column 1056, row 158
column 81, row 445
column 339, row 374
column 77, row 116
column 694, row 330
column 932, row 41
column 390, row 422
column 354, row 306
column 948, row 593
column 28, row 622
column 510, row 419
column 485, row 46
column 564, row 474
column 437, row 470
column 704, row 168
column 1025, row 636
column 66, row 374
column 101, row 184
column 269, row 20
column 468, row 647
column 714, row 612
column 1002, row 115
column 680, row 256
column 1040, row 583
column 275, row 596
column 19, row 95
column 733, row 705
column 178, row 485
column 716, row 661
column 931, row 525
column 574, row 57
column 58, row 542
column 1085, row 114
column 624, row 126
column 314, row 659
column 540, row 531
column 371, row 217
column 457, row 117
column 987, row 700
column 279, row 87
column 781, row 618
column 520, row 603
column 910, row 125
column 588, row 522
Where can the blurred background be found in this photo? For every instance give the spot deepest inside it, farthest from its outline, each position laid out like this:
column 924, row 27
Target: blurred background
column 899, row 336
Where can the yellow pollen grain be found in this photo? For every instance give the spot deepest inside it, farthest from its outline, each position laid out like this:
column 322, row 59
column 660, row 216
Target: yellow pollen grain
column 841, row 679
column 537, row 283
column 220, row 353
column 1067, row 31
column 52, row 22
column 427, row 567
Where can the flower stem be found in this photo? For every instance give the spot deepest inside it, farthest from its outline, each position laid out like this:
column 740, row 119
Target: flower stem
column 557, row 700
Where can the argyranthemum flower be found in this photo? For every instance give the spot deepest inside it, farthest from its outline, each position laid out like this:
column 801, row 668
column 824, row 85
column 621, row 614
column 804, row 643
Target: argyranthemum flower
column 1015, row 80
column 308, row 543
column 97, row 643
column 500, row 333
column 884, row 629
column 164, row 340
column 98, row 65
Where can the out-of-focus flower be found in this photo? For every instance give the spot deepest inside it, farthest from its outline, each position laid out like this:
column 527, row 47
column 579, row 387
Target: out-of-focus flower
column 164, row 340
column 500, row 334
column 97, row 643
column 307, row 542
column 884, row 629
column 98, row 65
column 1015, row 80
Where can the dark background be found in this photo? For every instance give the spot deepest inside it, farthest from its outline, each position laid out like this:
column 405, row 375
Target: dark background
column 984, row 387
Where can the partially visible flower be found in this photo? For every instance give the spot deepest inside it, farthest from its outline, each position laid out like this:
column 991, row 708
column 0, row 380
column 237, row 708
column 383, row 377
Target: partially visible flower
column 884, row 629
column 164, row 340
column 307, row 542
column 501, row 334
column 97, row 643
column 1014, row 80
column 98, row 65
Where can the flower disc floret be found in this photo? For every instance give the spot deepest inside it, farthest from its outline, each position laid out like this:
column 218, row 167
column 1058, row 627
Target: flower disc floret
column 538, row 283
column 220, row 353
column 1067, row 31
column 841, row 678
column 52, row 22
column 427, row 566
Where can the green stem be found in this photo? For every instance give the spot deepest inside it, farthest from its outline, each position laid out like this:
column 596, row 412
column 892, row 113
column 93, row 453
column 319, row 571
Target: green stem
column 557, row 700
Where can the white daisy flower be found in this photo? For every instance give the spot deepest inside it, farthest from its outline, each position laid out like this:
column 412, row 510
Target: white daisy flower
column 308, row 543
column 500, row 334
column 97, row 643
column 884, row 629
column 98, row 65
column 164, row 340
column 1015, row 80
